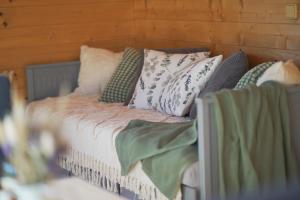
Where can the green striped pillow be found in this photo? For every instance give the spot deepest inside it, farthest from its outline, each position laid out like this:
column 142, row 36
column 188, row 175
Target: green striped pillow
column 253, row 75
column 119, row 87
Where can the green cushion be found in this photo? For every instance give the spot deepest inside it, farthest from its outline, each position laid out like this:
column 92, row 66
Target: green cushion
column 253, row 75
column 118, row 88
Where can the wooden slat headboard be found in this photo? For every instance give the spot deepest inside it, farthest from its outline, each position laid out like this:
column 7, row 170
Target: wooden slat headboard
column 46, row 80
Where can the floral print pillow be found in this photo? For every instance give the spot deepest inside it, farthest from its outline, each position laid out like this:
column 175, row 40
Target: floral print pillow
column 179, row 94
column 158, row 70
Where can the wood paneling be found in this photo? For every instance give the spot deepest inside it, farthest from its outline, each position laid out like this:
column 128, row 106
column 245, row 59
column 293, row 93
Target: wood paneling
column 47, row 31
column 259, row 27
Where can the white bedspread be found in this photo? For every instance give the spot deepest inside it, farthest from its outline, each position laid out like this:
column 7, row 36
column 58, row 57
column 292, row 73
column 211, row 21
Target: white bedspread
column 90, row 128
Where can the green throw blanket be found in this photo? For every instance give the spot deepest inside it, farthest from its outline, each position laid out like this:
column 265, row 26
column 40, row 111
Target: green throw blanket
column 254, row 139
column 165, row 150
column 254, row 143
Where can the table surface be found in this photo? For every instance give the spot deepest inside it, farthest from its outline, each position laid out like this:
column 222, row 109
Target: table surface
column 61, row 189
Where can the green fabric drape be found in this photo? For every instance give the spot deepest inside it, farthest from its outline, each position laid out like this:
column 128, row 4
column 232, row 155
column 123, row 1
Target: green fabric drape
column 165, row 150
column 254, row 139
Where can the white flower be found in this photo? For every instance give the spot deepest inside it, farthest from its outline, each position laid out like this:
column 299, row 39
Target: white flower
column 10, row 133
column 47, row 144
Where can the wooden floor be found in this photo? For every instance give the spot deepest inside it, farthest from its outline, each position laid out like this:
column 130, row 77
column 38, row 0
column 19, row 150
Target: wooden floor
column 77, row 189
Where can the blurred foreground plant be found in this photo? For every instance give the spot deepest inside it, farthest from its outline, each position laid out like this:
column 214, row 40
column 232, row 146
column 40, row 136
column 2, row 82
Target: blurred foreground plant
column 30, row 151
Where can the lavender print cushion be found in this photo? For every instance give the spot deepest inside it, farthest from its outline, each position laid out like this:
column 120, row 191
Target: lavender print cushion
column 179, row 94
column 158, row 70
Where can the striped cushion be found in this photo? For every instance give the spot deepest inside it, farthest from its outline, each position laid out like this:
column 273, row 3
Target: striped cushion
column 118, row 88
column 253, row 75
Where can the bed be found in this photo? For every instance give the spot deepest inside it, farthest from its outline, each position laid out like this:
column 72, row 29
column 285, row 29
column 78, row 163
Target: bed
column 90, row 128
column 97, row 162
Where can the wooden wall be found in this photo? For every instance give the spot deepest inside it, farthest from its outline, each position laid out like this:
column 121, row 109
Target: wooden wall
column 257, row 26
column 46, row 31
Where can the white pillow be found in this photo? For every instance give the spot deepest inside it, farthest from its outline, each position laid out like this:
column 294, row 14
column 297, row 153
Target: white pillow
column 283, row 72
column 96, row 69
column 158, row 70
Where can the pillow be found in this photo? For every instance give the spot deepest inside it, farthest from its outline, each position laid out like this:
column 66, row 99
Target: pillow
column 170, row 51
column 283, row 72
column 96, row 69
column 227, row 74
column 118, row 88
column 180, row 92
column 253, row 75
column 159, row 70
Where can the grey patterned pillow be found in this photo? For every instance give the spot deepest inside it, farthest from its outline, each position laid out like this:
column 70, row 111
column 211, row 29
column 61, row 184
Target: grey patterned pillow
column 162, row 77
column 227, row 74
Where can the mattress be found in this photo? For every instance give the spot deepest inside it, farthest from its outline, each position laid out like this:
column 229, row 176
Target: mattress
column 90, row 128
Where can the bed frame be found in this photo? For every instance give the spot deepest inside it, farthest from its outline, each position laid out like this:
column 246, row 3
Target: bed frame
column 45, row 81
column 208, row 137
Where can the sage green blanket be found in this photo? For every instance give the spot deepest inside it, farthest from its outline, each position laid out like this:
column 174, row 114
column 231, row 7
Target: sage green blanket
column 254, row 139
column 165, row 150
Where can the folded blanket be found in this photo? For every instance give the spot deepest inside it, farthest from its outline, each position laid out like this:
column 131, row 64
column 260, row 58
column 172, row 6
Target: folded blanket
column 254, row 139
column 165, row 150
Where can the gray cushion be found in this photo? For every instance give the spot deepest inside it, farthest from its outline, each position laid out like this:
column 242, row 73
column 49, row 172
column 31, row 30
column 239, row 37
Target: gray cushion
column 226, row 75
column 168, row 50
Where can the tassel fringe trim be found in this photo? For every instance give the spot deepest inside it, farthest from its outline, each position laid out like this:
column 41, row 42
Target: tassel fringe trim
column 100, row 174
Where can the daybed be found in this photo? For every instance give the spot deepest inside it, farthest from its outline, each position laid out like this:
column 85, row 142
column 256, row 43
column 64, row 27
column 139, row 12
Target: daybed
column 92, row 128
column 92, row 133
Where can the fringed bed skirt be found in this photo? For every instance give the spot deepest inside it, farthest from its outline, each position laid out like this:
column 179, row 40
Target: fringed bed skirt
column 97, row 173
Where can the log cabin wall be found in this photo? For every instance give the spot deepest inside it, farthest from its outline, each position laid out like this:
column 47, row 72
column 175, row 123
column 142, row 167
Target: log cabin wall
column 47, row 31
column 259, row 27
